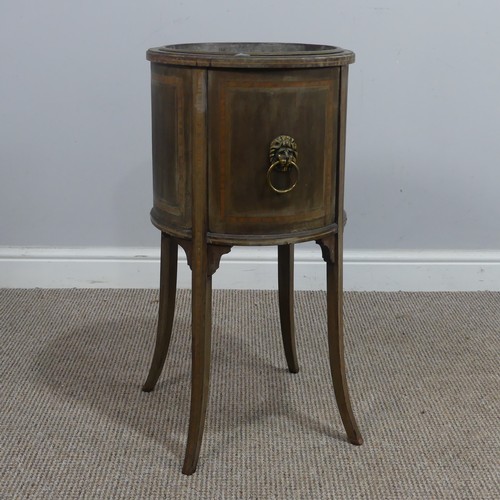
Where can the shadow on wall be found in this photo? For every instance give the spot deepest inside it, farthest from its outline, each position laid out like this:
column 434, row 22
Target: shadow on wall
column 132, row 202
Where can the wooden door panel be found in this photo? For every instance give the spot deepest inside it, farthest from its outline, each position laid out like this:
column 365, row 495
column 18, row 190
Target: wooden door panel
column 171, row 92
column 247, row 110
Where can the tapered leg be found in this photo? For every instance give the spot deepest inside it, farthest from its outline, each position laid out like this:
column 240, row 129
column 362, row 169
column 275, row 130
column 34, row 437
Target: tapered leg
column 336, row 341
column 201, row 336
column 168, row 282
column 285, row 292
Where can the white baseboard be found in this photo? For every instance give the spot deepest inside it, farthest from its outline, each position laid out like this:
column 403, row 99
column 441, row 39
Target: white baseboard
column 251, row 268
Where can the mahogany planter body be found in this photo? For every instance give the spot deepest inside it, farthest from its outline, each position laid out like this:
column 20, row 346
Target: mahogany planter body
column 242, row 102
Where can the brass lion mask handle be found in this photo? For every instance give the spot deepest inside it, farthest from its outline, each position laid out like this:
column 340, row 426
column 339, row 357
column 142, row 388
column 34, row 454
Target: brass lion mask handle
column 283, row 155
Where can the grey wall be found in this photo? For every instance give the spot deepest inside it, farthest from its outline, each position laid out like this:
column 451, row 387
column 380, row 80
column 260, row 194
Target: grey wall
column 423, row 123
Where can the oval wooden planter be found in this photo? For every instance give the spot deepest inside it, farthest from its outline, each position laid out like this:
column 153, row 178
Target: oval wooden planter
column 248, row 149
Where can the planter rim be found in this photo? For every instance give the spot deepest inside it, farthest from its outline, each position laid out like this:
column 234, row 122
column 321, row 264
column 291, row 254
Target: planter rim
column 251, row 55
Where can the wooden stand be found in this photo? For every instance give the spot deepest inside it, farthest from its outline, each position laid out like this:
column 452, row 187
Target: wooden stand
column 225, row 175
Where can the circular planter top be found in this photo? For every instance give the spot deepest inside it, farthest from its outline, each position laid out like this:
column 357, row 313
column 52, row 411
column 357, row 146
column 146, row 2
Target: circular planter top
column 251, row 55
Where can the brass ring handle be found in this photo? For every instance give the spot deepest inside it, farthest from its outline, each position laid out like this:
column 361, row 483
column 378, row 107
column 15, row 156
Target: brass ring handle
column 270, row 171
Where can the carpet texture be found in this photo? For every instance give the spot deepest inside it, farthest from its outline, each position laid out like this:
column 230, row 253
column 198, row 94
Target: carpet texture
column 423, row 370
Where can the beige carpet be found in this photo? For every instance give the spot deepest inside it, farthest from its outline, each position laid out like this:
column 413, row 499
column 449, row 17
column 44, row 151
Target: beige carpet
column 423, row 371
